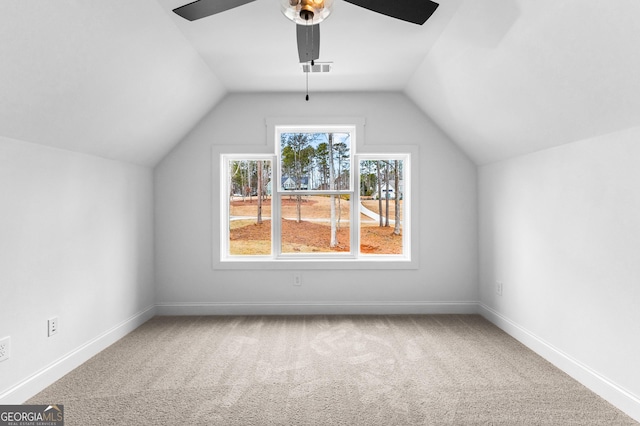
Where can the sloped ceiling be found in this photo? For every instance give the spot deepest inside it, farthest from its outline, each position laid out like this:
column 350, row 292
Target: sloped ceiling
column 511, row 77
column 128, row 79
column 112, row 78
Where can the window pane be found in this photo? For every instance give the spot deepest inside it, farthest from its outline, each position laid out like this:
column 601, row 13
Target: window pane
column 250, row 207
column 382, row 199
column 311, row 225
column 315, row 161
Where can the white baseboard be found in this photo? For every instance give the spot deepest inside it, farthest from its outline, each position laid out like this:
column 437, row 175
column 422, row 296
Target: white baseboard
column 317, row 308
column 54, row 371
column 605, row 388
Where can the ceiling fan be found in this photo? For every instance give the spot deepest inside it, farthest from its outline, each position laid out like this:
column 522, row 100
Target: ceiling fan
column 308, row 14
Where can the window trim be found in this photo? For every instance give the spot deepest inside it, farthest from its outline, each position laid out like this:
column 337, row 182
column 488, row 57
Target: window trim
column 353, row 260
column 353, row 234
column 223, row 242
column 407, row 201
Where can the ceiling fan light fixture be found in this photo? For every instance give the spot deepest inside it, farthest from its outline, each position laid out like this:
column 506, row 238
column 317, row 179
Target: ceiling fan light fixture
column 306, row 12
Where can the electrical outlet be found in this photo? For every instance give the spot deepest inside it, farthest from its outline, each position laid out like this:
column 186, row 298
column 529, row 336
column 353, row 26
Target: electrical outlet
column 5, row 348
column 297, row 279
column 499, row 288
column 53, row 326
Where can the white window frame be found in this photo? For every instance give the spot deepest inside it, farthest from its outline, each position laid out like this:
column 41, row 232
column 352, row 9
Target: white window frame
column 277, row 216
column 271, row 151
column 406, row 205
column 225, row 194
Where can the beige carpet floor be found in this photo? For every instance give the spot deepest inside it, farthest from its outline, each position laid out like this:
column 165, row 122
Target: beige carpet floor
column 323, row 370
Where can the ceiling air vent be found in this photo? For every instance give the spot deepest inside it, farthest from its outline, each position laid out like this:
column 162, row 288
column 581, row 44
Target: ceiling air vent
column 317, row 67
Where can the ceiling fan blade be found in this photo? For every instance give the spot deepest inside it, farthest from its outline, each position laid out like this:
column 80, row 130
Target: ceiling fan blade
column 203, row 8
column 308, row 42
column 415, row 11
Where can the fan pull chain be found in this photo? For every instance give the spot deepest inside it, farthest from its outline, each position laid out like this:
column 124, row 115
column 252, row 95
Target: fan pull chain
column 307, row 98
column 310, row 64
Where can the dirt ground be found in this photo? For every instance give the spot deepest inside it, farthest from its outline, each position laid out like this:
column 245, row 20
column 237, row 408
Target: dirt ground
column 316, row 206
column 307, row 236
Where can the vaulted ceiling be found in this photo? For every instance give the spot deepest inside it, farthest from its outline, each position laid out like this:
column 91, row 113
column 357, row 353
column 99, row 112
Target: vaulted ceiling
column 128, row 79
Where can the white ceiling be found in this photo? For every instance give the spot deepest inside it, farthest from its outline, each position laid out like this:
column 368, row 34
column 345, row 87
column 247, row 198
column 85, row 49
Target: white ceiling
column 128, row 79
column 110, row 78
column 511, row 77
column 253, row 47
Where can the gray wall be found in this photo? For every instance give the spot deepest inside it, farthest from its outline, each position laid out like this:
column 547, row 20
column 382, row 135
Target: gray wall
column 76, row 241
column 560, row 229
column 444, row 194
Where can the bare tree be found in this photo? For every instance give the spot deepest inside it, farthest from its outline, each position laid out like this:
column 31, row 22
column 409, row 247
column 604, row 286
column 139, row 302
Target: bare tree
column 386, row 198
column 334, row 230
column 250, row 165
column 259, row 192
column 341, row 151
column 296, row 159
column 379, row 191
column 396, row 172
column 367, row 181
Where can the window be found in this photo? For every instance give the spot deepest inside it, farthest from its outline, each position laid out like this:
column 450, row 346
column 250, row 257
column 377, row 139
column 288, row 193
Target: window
column 315, row 195
column 315, row 198
column 382, row 206
column 249, row 206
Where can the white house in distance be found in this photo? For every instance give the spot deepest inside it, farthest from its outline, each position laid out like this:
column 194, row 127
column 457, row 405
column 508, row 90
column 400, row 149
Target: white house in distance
column 288, row 183
column 522, row 120
column 388, row 191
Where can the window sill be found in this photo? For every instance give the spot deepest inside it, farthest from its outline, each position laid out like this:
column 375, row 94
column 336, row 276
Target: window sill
column 368, row 262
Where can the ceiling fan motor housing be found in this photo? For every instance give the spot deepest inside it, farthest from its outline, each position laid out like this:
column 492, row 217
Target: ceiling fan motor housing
column 306, row 12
